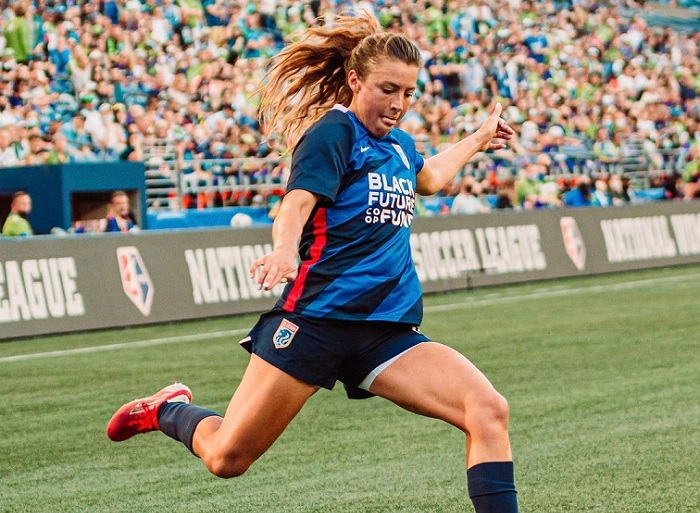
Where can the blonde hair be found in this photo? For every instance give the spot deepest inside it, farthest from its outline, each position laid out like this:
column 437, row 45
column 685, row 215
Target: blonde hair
column 309, row 76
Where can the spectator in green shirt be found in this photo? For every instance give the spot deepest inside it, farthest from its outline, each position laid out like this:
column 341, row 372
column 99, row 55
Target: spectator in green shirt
column 16, row 224
column 17, row 34
column 528, row 186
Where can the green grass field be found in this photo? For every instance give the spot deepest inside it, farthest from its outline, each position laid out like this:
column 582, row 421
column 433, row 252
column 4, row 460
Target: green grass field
column 602, row 375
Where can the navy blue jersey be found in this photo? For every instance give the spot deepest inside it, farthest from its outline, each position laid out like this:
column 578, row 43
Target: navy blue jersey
column 355, row 249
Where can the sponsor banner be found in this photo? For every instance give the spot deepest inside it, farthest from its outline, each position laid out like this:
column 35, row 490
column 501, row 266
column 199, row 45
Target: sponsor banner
column 39, row 289
column 471, row 251
column 73, row 283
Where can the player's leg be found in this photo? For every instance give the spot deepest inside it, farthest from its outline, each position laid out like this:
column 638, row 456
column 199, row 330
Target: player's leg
column 436, row 381
column 263, row 405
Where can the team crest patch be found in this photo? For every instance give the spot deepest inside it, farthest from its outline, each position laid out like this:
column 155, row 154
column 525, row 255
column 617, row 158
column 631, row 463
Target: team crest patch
column 284, row 334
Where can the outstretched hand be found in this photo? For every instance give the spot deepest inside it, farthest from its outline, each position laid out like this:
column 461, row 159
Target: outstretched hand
column 494, row 131
column 281, row 264
column 278, row 266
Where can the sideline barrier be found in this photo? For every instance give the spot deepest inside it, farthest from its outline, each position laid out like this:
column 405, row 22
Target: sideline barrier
column 73, row 283
column 206, row 218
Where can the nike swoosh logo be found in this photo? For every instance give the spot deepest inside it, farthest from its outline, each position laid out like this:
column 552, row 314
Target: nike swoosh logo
column 362, row 150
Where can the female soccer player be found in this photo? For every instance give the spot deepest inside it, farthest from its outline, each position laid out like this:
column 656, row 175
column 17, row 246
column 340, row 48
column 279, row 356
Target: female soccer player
column 350, row 311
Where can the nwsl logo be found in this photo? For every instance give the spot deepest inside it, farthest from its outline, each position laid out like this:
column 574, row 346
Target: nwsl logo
column 135, row 279
column 573, row 242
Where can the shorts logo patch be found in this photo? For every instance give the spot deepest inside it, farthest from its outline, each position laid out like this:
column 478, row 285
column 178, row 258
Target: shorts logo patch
column 285, row 334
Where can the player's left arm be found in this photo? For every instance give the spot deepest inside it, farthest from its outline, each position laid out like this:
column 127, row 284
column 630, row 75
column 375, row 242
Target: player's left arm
column 441, row 168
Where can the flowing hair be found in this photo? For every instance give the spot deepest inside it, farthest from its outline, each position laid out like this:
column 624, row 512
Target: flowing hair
column 308, row 77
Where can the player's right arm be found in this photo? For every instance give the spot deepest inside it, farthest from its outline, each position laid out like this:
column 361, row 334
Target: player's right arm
column 282, row 262
column 440, row 169
column 318, row 164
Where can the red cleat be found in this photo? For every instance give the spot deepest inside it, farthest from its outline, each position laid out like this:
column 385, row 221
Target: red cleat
column 141, row 415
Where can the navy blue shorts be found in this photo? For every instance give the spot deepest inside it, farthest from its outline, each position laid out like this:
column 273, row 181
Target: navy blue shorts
column 323, row 351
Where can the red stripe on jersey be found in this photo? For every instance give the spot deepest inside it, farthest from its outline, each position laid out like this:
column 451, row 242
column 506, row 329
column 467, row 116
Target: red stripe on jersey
column 319, row 232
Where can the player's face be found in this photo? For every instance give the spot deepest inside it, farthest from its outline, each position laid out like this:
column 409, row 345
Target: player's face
column 382, row 98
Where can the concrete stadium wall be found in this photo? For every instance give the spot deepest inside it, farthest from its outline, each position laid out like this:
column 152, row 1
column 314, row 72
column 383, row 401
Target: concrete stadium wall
column 74, row 283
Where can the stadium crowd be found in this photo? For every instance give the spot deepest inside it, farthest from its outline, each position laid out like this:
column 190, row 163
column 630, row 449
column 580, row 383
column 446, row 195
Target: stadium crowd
column 90, row 81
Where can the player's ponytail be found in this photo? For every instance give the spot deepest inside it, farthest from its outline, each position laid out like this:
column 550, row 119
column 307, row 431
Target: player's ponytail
column 309, row 76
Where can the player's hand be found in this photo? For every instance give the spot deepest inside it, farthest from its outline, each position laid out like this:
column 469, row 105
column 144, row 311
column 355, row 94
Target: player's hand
column 495, row 131
column 278, row 266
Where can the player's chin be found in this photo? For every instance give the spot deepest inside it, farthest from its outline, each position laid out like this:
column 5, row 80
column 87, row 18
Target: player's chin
column 379, row 132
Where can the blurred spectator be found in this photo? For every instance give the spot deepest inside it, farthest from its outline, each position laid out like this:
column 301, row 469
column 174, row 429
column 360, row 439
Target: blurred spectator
column 691, row 169
column 9, row 154
column 216, row 15
column 133, row 152
column 550, row 195
column 78, row 138
column 619, row 192
column 37, row 152
column 468, row 200
column 94, row 125
column 691, row 174
column 506, row 194
column 528, row 186
column 580, row 195
column 601, row 196
column 115, row 133
column 59, row 153
column 17, row 34
column 80, row 69
column 672, row 184
column 119, row 218
column 16, row 224
column 192, row 15
column 605, row 149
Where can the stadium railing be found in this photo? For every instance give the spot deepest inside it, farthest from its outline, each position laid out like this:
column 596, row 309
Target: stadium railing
column 174, row 184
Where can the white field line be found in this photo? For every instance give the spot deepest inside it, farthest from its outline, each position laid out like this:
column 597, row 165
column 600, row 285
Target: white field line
column 137, row 343
column 486, row 301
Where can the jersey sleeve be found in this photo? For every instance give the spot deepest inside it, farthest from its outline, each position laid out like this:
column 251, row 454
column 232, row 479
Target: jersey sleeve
column 322, row 157
column 418, row 160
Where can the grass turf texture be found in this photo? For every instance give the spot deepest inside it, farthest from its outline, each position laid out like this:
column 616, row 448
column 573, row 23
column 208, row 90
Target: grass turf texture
column 601, row 374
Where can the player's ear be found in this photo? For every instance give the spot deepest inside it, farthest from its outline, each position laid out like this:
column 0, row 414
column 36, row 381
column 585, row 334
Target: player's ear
column 353, row 81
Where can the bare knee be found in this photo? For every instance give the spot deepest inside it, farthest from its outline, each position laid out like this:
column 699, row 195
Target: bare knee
column 226, row 465
column 489, row 417
column 499, row 410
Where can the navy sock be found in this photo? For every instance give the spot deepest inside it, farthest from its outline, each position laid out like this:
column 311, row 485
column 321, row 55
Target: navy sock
column 179, row 420
column 492, row 487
